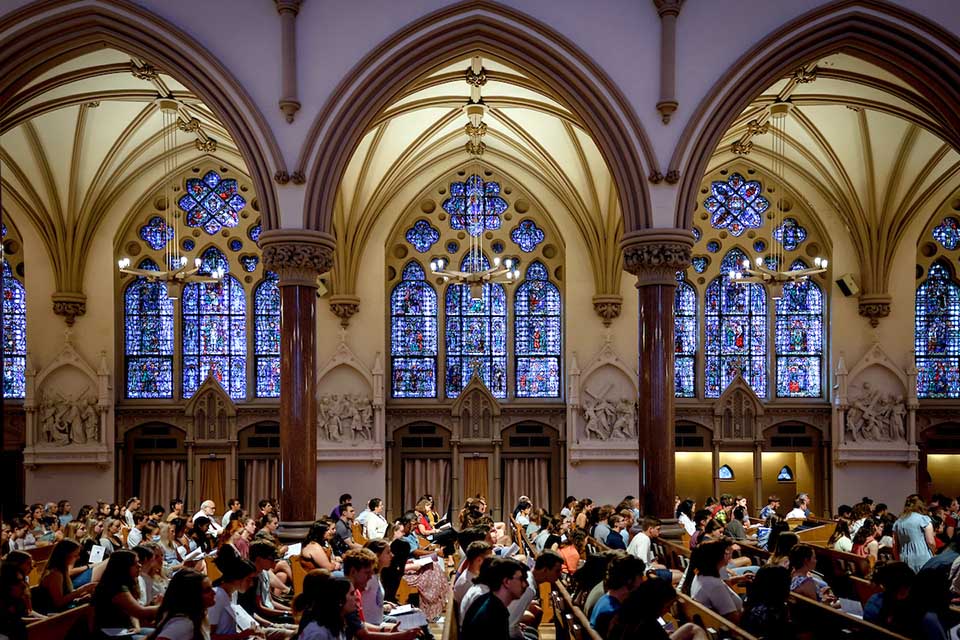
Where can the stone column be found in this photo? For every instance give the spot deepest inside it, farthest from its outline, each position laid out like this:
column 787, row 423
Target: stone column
column 298, row 257
column 654, row 256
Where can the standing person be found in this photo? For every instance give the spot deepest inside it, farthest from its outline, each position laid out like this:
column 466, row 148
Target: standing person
column 183, row 614
column 488, row 617
column 913, row 534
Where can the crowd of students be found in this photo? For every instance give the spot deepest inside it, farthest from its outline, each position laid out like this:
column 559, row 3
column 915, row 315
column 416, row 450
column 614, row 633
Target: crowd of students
column 153, row 576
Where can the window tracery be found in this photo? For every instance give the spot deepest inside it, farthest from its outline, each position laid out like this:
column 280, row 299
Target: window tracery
column 937, row 335
column 685, row 336
column 474, row 205
column 212, row 202
column 14, row 333
column 148, row 337
column 266, row 327
column 413, row 335
column 799, row 338
column 537, row 335
column 736, row 205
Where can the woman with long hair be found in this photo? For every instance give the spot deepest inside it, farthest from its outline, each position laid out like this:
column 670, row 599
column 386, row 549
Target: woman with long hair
column 639, row 617
column 803, row 561
column 373, row 598
column 331, row 601
column 183, row 613
column 115, row 604
column 780, row 556
column 168, row 544
column 392, row 574
column 573, row 549
column 316, row 552
column 766, row 614
column 445, row 539
column 865, row 544
column 111, row 536
column 840, row 538
column 913, row 535
column 685, row 511
column 581, row 513
column 703, row 581
column 55, row 591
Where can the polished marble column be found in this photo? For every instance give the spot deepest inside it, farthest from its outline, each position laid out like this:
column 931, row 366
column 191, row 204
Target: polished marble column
column 297, row 256
column 654, row 256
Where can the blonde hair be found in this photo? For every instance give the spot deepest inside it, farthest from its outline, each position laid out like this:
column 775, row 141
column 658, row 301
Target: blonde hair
column 914, row 504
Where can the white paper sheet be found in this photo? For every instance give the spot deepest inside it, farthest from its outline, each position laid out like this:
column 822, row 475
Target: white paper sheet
column 96, row 553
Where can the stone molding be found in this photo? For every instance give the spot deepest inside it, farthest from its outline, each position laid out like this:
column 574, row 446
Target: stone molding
column 874, row 306
column 298, row 256
column 655, row 255
column 344, row 307
column 69, row 304
column 608, row 307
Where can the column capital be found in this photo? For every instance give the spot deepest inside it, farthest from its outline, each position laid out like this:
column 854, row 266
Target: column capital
column 298, row 256
column 655, row 255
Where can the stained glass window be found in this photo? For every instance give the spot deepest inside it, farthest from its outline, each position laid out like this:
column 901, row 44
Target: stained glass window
column 537, row 335
column 700, row 263
column 790, row 234
column 736, row 204
column 14, row 334
column 497, row 246
column 215, row 330
column 713, row 246
column 189, row 244
column 413, row 336
column 696, row 233
column 212, row 202
column 760, row 246
column 725, row 473
column 254, row 232
column 785, row 475
column 799, row 338
column 148, row 337
column 937, row 336
column 947, row 233
column 476, row 334
column 266, row 327
column 527, row 235
column 156, row 233
column 422, row 235
column 236, row 245
column 684, row 339
column 475, row 205
column 452, row 247
column 735, row 319
column 249, row 263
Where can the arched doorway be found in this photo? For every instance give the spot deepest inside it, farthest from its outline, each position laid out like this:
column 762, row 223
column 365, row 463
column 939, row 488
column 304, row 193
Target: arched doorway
column 258, row 464
column 155, row 464
column 530, row 466
column 423, row 463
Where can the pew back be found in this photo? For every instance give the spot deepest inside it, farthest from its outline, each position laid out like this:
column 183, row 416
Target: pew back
column 72, row 623
column 687, row 609
column 816, row 616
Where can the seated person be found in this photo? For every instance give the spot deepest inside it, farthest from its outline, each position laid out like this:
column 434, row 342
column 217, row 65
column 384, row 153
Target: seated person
column 477, row 552
column 55, row 591
column 642, row 548
column 316, row 552
column 615, row 538
column 115, row 604
column 703, row 580
column 624, row 574
column 263, row 555
column 640, row 614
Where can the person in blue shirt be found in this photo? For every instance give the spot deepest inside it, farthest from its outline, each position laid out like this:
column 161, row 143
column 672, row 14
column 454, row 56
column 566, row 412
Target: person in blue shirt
column 624, row 574
column 615, row 537
column 773, row 503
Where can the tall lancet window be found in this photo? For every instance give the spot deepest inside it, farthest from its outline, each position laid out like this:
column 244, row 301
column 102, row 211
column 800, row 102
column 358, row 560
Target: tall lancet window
column 537, row 335
column 735, row 331
column 413, row 336
column 684, row 339
column 215, row 330
column 266, row 328
column 14, row 334
column 937, row 335
column 799, row 338
column 476, row 334
column 148, row 337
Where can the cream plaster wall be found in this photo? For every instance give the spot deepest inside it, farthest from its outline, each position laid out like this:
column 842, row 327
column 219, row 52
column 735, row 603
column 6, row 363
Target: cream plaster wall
column 884, row 482
column 603, row 482
column 360, row 479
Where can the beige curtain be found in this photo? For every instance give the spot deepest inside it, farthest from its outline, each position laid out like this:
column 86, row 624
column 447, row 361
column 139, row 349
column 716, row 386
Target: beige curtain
column 526, row 477
column 213, row 482
column 161, row 481
column 422, row 476
column 261, row 480
column 476, row 478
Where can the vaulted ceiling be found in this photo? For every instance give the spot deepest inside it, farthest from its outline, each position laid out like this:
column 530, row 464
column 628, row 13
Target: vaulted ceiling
column 531, row 134
column 862, row 141
column 86, row 137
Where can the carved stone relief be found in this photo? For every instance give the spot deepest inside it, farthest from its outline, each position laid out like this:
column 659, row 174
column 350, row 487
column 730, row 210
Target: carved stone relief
column 68, row 419
column 876, row 416
column 609, row 419
column 342, row 417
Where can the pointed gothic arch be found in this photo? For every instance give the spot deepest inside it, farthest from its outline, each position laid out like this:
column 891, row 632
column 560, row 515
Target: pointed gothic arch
column 890, row 36
column 442, row 37
column 45, row 33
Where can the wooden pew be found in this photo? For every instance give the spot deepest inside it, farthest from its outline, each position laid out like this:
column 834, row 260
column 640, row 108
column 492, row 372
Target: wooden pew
column 670, row 554
column 40, row 553
column 833, row 563
column 571, row 622
column 757, row 555
column 863, row 589
column 815, row 616
column 451, row 615
column 686, row 609
column 72, row 623
column 357, row 530
column 299, row 573
column 819, row 535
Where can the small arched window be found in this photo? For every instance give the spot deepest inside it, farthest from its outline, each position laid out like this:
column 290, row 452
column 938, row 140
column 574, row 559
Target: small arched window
column 937, row 335
column 148, row 337
column 476, row 333
column 735, row 318
column 684, row 339
column 799, row 338
column 215, row 330
column 537, row 335
column 266, row 328
column 413, row 336
column 725, row 473
column 14, row 334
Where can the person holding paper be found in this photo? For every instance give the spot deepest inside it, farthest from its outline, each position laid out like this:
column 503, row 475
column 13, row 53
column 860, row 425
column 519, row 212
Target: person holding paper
column 358, row 568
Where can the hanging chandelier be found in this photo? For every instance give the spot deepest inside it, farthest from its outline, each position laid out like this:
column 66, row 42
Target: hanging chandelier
column 176, row 270
column 771, row 270
column 475, row 211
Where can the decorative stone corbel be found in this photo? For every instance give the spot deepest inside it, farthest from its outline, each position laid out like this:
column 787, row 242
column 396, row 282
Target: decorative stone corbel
column 298, row 256
column 344, row 307
column 668, row 10
column 289, row 102
column 69, row 304
column 874, row 306
column 608, row 307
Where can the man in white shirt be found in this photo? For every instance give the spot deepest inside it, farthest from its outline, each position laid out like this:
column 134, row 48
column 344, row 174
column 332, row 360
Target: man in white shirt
column 233, row 506
column 801, row 507
column 207, row 509
column 641, row 547
column 135, row 536
column 132, row 505
column 477, row 552
column 372, row 520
